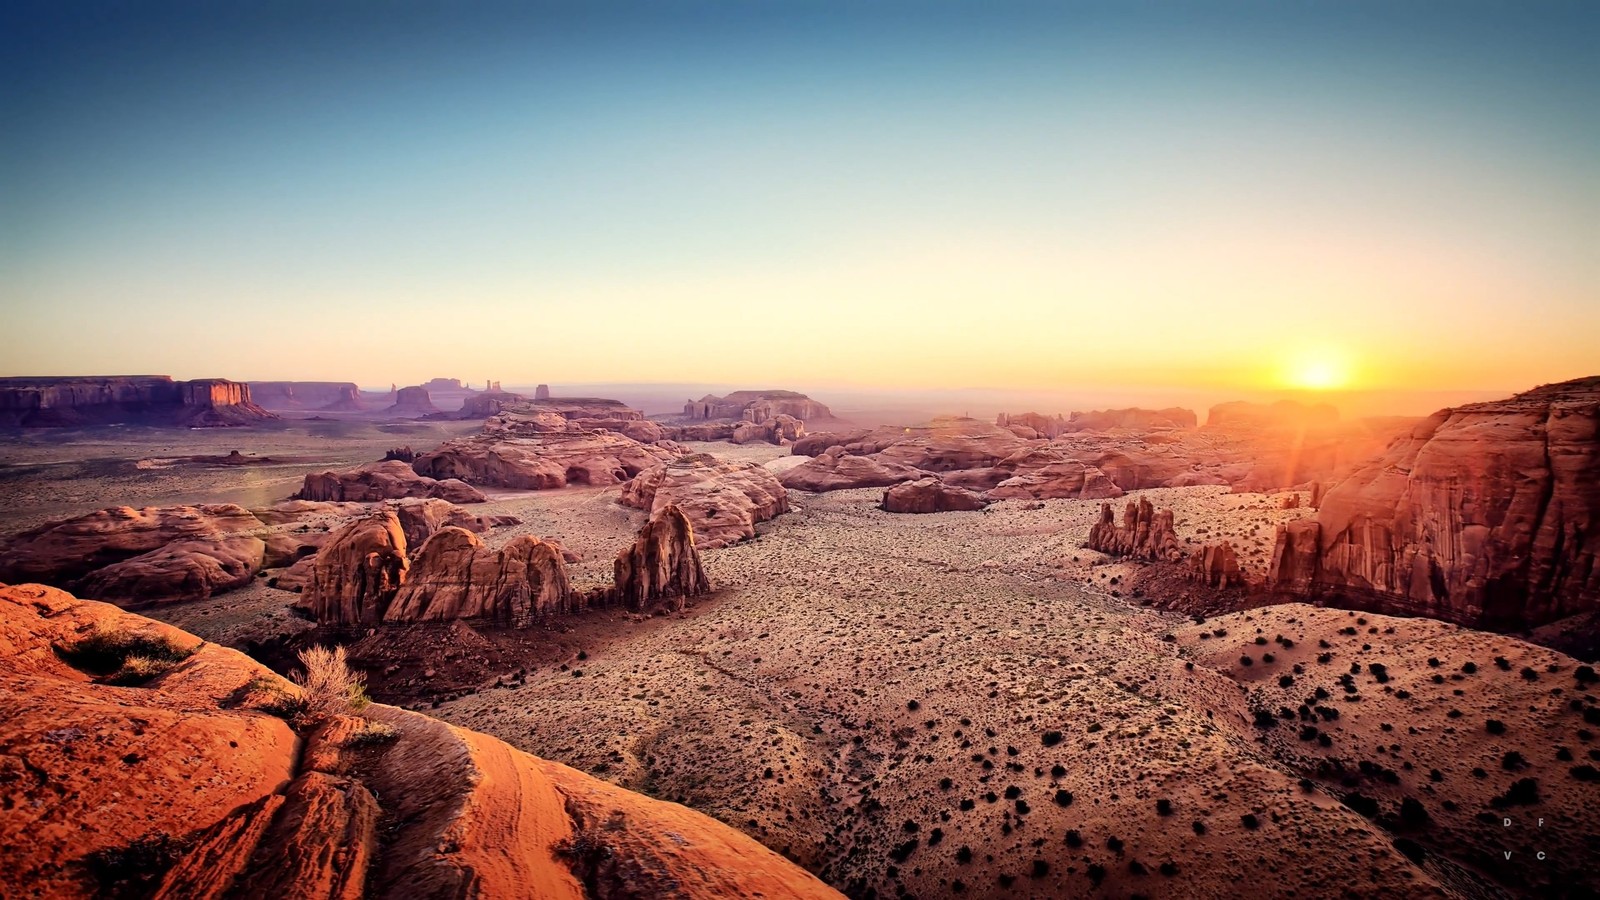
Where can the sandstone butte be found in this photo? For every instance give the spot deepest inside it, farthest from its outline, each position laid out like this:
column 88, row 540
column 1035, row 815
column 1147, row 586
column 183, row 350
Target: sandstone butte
column 755, row 406
column 331, row 396
column 367, row 575
column 1486, row 515
column 722, row 499
column 162, row 554
column 180, row 782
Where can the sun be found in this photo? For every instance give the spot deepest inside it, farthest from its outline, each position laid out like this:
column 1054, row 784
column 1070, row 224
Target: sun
column 1317, row 371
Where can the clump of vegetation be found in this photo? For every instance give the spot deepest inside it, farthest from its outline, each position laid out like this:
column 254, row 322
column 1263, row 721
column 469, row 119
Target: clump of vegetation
column 328, row 684
column 373, row 734
column 123, row 657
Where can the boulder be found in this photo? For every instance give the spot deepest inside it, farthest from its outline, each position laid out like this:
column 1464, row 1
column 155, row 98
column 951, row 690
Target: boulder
column 838, row 471
column 181, row 570
column 1486, row 515
column 723, row 500
column 387, row 480
column 62, row 552
column 663, row 565
column 454, row 576
column 1145, row 533
column 930, row 495
column 357, row 573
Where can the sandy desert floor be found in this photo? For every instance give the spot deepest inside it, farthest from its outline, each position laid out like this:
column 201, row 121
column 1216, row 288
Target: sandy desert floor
column 960, row 703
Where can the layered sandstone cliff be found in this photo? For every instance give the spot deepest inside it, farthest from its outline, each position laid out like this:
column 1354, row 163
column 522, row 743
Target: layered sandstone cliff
column 127, row 399
column 196, row 777
column 756, row 406
column 1487, row 515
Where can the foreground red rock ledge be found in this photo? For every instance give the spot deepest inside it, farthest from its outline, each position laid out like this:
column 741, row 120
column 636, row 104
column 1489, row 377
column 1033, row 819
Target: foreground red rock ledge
column 179, row 782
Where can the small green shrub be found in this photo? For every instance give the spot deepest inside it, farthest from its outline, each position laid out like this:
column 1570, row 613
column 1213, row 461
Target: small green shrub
column 122, row 657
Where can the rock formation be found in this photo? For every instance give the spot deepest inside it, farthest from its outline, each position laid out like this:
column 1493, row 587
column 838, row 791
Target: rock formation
column 127, row 399
column 838, row 471
column 454, row 576
column 331, row 396
column 181, row 570
column 1132, row 419
column 62, row 552
column 663, row 565
column 208, row 794
column 542, row 392
column 387, row 480
column 1487, row 515
column 446, row 385
column 722, row 500
column 1038, row 473
column 930, row 495
column 541, row 462
column 357, row 572
column 1145, row 533
column 412, row 401
column 756, row 406
column 1215, row 565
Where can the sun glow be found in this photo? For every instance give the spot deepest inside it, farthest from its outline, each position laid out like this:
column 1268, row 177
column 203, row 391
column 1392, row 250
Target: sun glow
column 1317, row 371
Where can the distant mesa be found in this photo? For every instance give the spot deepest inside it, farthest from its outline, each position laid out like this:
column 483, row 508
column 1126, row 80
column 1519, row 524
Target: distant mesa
column 542, row 392
column 1130, row 419
column 1282, row 414
column 1486, row 515
column 445, row 385
column 755, row 406
column 328, row 396
column 412, row 401
column 156, row 400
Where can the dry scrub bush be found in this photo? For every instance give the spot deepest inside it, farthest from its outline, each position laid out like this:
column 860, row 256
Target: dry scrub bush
column 328, row 685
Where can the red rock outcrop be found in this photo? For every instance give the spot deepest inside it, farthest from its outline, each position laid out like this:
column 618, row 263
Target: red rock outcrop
column 388, row 480
column 412, row 401
column 213, row 797
column 1487, row 515
column 181, row 570
column 663, row 565
column 331, row 396
column 723, row 500
column 1145, row 532
column 930, row 495
column 839, row 471
column 1038, row 473
column 63, row 552
column 1132, row 419
column 454, row 576
column 136, row 399
column 542, row 462
column 357, row 572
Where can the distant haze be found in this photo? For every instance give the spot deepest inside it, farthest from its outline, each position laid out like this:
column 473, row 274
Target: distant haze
column 962, row 205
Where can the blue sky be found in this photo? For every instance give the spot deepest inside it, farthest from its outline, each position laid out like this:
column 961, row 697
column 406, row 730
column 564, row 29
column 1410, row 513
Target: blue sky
column 930, row 194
